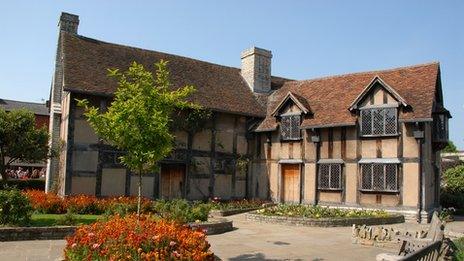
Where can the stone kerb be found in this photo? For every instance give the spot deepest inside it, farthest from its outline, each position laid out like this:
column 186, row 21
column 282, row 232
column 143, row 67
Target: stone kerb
column 325, row 222
column 35, row 233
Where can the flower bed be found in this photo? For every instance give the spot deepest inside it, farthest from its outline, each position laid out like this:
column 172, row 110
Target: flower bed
column 179, row 210
column 49, row 203
column 131, row 239
column 322, row 216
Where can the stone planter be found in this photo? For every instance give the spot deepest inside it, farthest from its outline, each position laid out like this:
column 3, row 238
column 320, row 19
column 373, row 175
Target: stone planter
column 214, row 226
column 325, row 222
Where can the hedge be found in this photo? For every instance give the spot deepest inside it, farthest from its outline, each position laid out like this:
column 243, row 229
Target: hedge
column 37, row 184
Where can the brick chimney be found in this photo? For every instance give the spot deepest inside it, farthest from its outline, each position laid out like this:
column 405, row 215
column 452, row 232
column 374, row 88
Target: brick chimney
column 256, row 69
column 69, row 22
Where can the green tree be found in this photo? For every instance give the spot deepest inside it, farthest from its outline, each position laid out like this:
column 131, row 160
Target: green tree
column 139, row 118
column 450, row 147
column 20, row 139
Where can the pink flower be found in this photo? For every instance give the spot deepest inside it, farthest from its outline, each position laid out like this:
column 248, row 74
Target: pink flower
column 94, row 246
column 172, row 243
column 91, row 234
column 73, row 245
column 176, row 254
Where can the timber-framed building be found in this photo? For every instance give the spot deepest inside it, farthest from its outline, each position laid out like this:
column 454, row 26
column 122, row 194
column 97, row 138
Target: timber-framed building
column 360, row 140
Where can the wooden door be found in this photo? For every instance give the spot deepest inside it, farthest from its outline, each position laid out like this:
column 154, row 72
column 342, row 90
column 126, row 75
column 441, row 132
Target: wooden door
column 291, row 183
column 172, row 181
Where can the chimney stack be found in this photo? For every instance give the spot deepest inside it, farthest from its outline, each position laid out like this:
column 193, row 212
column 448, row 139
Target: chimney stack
column 69, row 23
column 256, row 69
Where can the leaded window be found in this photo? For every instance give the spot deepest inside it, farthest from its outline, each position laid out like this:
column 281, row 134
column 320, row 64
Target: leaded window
column 290, row 127
column 379, row 122
column 330, row 176
column 379, row 177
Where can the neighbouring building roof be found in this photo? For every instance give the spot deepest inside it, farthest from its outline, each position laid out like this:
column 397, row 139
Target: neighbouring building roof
column 331, row 97
column 220, row 88
column 36, row 108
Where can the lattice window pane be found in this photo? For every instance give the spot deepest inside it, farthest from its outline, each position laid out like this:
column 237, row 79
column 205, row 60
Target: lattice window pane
column 290, row 127
column 366, row 172
column 378, row 176
column 378, row 123
column 390, row 121
column 295, row 126
column 324, row 176
column 335, row 176
column 391, row 177
column 285, row 128
column 366, row 122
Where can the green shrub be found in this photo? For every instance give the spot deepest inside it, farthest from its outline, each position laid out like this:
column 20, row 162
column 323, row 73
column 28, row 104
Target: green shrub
column 68, row 219
column 15, row 208
column 38, row 184
column 459, row 249
column 181, row 210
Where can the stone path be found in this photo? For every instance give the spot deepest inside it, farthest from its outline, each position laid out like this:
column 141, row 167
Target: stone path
column 35, row 250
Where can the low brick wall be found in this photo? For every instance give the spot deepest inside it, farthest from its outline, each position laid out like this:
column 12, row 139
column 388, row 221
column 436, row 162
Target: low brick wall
column 213, row 227
column 224, row 213
column 325, row 222
column 35, row 233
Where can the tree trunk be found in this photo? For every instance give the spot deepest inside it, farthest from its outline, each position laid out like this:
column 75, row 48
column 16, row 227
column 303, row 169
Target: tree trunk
column 139, row 196
column 3, row 169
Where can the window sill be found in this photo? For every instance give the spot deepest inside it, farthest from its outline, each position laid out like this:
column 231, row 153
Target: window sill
column 380, row 136
column 368, row 191
column 291, row 140
column 330, row 189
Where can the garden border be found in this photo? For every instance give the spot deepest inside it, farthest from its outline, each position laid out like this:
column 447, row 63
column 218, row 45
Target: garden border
column 324, row 222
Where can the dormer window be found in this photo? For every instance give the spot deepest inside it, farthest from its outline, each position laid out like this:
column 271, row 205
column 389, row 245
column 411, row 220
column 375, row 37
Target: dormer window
column 290, row 127
column 379, row 121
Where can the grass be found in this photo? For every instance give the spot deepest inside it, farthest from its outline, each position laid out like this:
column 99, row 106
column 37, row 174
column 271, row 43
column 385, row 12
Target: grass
column 44, row 220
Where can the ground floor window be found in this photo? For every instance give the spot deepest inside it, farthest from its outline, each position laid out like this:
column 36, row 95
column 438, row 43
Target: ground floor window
column 330, row 176
column 379, row 177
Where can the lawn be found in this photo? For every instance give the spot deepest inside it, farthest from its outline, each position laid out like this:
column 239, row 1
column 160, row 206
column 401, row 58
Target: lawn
column 44, row 220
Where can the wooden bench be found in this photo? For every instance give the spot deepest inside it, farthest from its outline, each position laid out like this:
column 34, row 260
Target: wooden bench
column 427, row 248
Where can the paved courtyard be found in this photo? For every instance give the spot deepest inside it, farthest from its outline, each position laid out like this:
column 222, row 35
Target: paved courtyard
column 261, row 241
column 249, row 241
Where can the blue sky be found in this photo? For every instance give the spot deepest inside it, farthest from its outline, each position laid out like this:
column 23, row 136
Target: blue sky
column 308, row 38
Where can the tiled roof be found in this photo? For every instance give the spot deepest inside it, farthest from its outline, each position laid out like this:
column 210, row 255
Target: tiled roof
column 330, row 97
column 219, row 88
column 36, row 108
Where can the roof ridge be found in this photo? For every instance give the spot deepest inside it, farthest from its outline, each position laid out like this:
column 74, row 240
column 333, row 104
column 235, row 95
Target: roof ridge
column 85, row 38
column 368, row 72
column 38, row 103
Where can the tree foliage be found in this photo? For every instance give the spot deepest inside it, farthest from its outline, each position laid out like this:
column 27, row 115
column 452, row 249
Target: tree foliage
column 454, row 179
column 450, row 147
column 139, row 118
column 20, row 139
